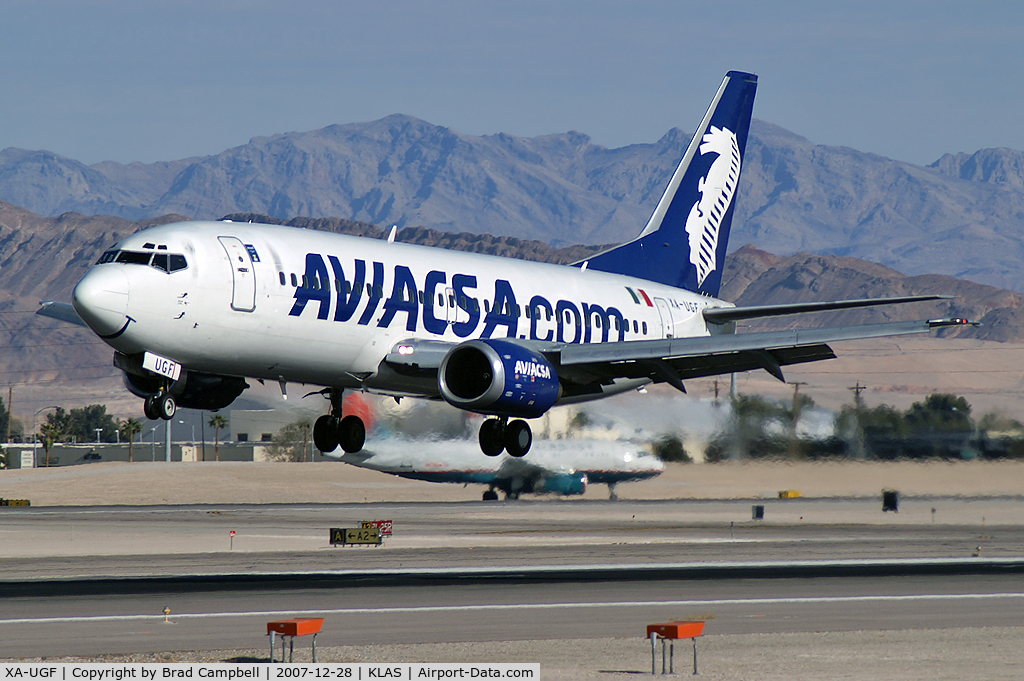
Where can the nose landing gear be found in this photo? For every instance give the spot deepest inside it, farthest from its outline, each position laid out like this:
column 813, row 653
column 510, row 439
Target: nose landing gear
column 159, row 406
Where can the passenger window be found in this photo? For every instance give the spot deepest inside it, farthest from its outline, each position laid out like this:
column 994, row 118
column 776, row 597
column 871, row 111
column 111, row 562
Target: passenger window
column 369, row 289
column 305, row 281
column 487, row 307
column 160, row 262
column 348, row 288
column 281, row 276
column 295, row 282
column 440, row 300
column 421, row 297
column 635, row 329
column 645, row 328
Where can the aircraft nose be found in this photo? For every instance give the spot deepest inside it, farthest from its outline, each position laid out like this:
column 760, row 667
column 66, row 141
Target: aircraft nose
column 101, row 300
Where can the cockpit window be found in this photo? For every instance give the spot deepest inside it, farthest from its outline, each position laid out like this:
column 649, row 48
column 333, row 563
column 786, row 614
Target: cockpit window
column 134, row 258
column 165, row 262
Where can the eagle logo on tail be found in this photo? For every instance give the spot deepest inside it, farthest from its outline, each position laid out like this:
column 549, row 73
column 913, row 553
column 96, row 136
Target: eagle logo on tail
column 716, row 188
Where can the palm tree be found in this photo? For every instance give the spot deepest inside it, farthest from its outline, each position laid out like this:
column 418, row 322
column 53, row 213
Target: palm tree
column 49, row 433
column 217, row 421
column 129, row 428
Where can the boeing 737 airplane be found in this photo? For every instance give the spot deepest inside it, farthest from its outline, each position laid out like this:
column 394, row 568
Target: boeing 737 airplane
column 193, row 309
column 563, row 467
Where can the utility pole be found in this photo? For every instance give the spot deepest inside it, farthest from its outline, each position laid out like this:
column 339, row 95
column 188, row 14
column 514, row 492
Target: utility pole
column 857, row 390
column 10, row 411
column 859, row 449
column 793, row 448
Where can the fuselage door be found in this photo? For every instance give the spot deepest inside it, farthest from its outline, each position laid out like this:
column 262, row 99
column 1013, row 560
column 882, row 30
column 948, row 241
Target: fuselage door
column 243, row 275
column 666, row 317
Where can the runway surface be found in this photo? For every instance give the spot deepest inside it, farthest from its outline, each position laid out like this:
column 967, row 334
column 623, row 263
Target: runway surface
column 63, row 546
column 230, row 620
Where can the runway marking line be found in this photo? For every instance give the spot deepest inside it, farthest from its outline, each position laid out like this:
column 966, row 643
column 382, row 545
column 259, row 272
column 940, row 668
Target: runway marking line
column 524, row 606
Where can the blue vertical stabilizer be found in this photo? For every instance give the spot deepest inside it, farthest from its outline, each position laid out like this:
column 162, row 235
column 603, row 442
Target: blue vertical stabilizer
column 685, row 240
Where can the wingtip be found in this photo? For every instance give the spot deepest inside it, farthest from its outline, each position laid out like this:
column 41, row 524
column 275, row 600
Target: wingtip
column 954, row 321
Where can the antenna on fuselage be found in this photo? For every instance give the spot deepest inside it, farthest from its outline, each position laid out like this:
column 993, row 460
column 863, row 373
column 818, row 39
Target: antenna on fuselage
column 391, row 236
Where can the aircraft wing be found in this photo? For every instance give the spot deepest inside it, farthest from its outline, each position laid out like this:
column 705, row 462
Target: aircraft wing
column 673, row 360
column 723, row 315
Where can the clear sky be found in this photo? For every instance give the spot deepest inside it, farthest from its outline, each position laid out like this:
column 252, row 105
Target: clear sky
column 145, row 81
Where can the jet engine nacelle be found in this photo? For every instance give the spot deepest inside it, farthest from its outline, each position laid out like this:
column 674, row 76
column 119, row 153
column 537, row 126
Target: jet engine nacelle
column 566, row 484
column 494, row 376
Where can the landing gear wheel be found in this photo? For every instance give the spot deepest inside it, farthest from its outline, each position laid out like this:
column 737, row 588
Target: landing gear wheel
column 490, row 495
column 518, row 438
column 325, row 433
column 149, row 409
column 492, row 437
column 165, row 406
column 351, row 433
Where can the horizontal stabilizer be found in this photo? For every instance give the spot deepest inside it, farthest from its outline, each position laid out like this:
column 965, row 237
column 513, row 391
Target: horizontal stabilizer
column 724, row 315
column 62, row 311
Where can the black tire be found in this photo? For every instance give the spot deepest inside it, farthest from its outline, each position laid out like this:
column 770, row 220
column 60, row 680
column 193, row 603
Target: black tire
column 490, row 495
column 351, row 434
column 149, row 409
column 165, row 406
column 518, row 438
column 325, row 433
column 492, row 437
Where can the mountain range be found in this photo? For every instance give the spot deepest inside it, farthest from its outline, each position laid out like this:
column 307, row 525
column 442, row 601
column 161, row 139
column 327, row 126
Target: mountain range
column 962, row 216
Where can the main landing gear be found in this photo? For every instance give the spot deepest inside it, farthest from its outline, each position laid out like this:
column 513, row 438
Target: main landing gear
column 332, row 430
column 159, row 406
column 500, row 434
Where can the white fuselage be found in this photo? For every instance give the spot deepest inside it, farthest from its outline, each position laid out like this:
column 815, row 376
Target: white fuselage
column 280, row 303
